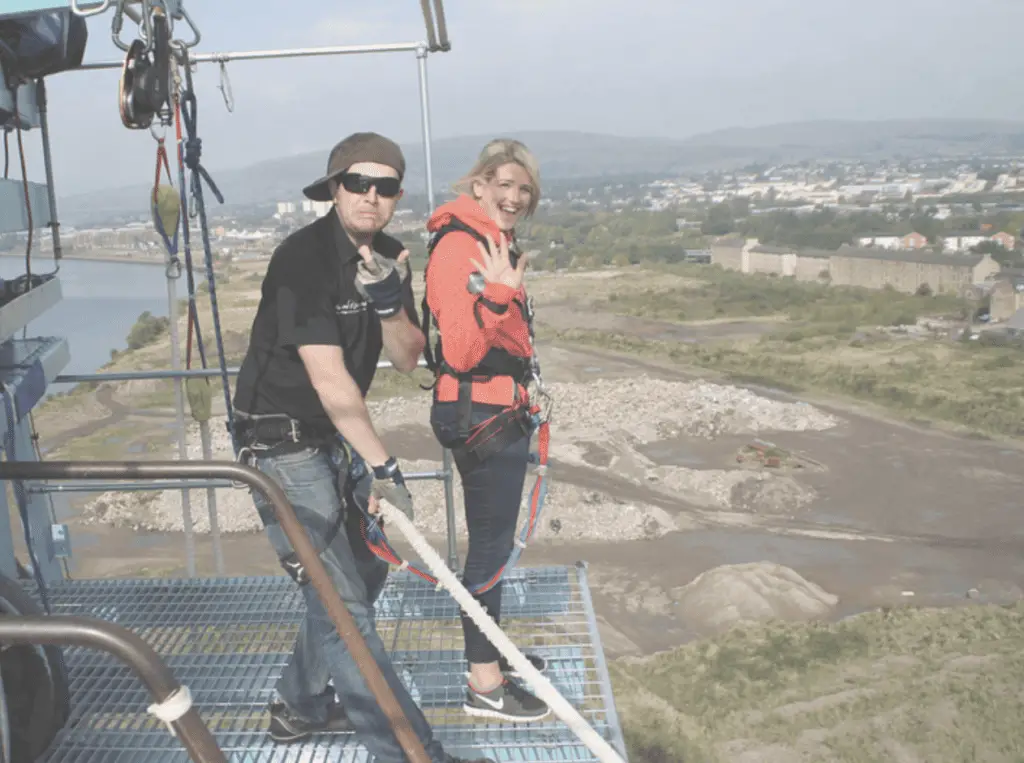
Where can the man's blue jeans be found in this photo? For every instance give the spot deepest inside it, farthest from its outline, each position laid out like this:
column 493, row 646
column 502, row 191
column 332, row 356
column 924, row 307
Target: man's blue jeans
column 320, row 482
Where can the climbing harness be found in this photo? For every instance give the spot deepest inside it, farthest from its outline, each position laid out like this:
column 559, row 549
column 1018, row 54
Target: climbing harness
column 377, row 541
column 489, row 437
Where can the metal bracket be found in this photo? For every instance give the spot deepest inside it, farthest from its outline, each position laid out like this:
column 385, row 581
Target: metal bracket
column 60, row 538
column 101, row 8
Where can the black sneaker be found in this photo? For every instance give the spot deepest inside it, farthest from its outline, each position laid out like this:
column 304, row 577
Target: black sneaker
column 510, row 702
column 536, row 660
column 287, row 726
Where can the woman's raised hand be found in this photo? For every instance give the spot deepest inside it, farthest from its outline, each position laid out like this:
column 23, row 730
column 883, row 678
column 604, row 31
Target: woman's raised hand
column 497, row 266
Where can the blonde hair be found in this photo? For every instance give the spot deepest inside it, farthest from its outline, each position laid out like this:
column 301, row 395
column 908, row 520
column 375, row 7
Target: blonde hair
column 496, row 154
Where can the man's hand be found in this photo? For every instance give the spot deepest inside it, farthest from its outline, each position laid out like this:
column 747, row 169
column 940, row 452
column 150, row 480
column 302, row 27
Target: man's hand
column 380, row 280
column 389, row 484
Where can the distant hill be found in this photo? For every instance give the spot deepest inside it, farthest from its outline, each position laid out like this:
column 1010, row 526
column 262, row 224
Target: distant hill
column 567, row 155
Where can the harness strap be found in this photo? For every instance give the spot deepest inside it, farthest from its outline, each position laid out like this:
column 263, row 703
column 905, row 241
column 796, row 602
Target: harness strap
column 433, row 354
column 492, row 436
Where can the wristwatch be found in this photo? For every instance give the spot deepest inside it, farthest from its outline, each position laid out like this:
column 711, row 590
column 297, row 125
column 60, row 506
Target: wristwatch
column 387, row 470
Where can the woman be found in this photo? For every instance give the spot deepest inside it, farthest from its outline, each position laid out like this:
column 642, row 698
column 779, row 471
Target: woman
column 476, row 297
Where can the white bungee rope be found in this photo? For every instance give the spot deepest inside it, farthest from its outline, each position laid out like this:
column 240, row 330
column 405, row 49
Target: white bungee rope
column 545, row 689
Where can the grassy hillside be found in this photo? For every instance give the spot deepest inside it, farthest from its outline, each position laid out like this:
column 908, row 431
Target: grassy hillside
column 896, row 685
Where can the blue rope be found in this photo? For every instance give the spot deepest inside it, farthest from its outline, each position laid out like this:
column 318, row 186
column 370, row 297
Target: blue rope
column 193, row 152
column 189, row 275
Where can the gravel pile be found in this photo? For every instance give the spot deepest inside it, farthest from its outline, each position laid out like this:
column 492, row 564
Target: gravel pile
column 654, row 409
column 724, row 596
column 570, row 513
column 732, row 489
column 617, row 414
column 161, row 512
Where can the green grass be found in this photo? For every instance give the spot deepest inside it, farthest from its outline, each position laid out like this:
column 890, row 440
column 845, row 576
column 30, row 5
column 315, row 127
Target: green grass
column 726, row 294
column 960, row 383
column 941, row 685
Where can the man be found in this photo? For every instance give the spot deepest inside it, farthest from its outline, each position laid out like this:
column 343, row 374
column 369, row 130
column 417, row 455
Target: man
column 336, row 294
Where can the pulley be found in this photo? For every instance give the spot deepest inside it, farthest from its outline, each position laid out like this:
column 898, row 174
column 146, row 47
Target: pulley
column 145, row 80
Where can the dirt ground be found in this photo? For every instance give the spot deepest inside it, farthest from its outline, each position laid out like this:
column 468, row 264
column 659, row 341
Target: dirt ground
column 897, row 513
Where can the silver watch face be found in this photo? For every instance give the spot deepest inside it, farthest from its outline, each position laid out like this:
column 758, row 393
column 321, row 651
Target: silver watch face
column 476, row 283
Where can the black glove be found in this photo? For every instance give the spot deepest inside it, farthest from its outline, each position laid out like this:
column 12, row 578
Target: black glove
column 389, row 484
column 380, row 282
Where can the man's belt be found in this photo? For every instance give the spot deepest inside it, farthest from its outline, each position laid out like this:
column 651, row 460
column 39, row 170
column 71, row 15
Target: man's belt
column 273, row 429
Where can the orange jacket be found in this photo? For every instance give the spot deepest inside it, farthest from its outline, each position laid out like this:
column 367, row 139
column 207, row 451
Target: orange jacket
column 464, row 343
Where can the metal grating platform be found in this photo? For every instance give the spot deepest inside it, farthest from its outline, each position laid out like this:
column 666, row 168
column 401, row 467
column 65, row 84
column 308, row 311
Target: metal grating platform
column 228, row 638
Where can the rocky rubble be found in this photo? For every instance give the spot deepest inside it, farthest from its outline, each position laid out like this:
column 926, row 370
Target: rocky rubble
column 614, row 414
column 570, row 513
column 653, row 409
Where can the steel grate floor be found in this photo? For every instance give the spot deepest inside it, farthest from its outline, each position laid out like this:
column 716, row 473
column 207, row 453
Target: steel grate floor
column 227, row 640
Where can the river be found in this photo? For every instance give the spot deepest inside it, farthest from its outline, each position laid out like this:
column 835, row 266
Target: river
column 102, row 301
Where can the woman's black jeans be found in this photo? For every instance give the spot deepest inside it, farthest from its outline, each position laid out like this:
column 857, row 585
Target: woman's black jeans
column 492, row 491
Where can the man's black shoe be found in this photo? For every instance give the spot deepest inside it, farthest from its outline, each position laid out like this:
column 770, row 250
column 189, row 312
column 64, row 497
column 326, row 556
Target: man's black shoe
column 287, row 726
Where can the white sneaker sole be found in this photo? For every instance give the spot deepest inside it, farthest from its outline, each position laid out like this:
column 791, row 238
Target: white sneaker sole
column 482, row 712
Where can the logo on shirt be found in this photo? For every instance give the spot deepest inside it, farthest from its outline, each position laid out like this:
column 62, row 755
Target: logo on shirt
column 351, row 307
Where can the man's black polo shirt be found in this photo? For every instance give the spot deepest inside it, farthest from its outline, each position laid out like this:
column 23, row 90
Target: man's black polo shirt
column 309, row 297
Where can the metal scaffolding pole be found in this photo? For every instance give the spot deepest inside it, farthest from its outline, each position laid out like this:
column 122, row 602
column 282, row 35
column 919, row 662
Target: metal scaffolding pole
column 179, row 409
column 446, row 456
column 135, row 487
column 44, row 129
column 177, row 373
column 257, row 55
column 296, row 534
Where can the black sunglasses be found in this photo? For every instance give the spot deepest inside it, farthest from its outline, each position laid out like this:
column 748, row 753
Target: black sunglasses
column 353, row 182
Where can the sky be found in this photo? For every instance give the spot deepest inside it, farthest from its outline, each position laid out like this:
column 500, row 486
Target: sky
column 646, row 67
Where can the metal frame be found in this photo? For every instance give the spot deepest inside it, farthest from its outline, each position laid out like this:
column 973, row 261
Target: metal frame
column 94, row 633
column 293, row 529
column 445, row 474
column 435, row 42
column 186, row 475
column 602, row 664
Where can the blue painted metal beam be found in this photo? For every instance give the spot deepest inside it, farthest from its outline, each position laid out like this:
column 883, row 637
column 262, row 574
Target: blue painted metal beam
column 13, row 215
column 28, row 106
column 27, row 366
column 24, row 7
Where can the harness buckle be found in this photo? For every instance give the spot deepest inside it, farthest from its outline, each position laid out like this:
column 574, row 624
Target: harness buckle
column 295, row 570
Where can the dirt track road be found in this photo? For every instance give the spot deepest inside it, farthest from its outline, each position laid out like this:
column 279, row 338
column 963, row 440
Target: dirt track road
column 902, row 514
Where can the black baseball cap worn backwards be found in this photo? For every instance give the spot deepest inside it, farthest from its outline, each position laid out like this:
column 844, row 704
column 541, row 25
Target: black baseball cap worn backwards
column 358, row 147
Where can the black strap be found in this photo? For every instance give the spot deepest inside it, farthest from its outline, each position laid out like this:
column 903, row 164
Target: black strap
column 493, row 436
column 433, row 354
column 277, row 429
